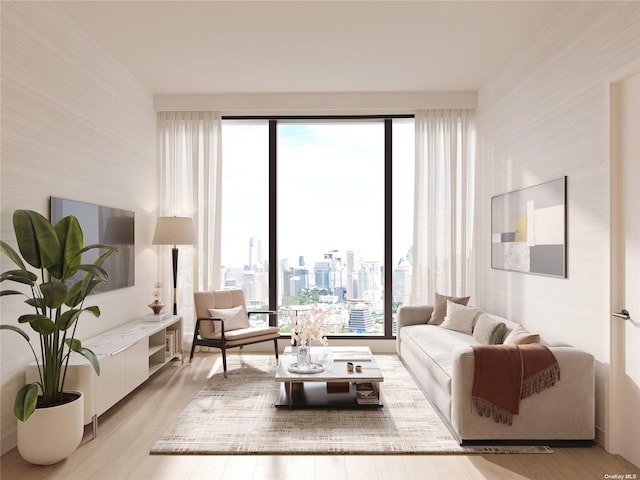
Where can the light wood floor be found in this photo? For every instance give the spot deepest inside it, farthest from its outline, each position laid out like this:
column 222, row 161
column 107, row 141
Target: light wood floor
column 129, row 429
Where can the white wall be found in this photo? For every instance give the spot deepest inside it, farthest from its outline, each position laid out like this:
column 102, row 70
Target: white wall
column 545, row 115
column 75, row 124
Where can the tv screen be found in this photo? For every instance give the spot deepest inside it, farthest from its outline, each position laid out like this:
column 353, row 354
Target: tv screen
column 103, row 225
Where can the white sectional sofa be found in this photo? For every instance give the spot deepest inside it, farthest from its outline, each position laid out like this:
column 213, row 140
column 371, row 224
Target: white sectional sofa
column 442, row 363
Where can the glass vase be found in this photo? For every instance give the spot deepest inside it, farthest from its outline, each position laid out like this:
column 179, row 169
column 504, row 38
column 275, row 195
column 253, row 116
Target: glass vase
column 304, row 354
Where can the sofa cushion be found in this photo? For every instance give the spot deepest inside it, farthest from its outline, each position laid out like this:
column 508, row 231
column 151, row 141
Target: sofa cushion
column 436, row 345
column 440, row 307
column 521, row 336
column 241, row 335
column 459, row 317
column 489, row 331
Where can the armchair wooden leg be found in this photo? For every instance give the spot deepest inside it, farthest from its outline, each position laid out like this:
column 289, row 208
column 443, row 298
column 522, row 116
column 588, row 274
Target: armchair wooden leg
column 193, row 349
column 224, row 361
column 275, row 343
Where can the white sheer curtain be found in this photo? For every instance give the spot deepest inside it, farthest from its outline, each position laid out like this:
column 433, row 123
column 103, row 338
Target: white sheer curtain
column 190, row 150
column 443, row 210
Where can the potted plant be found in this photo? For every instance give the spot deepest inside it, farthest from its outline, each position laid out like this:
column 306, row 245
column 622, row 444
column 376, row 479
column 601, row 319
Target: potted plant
column 56, row 305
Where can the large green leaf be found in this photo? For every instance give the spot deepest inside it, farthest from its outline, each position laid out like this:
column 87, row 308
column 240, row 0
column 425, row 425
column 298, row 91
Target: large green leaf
column 19, row 276
column 10, row 292
column 67, row 318
column 30, row 317
column 55, row 293
column 26, row 401
column 89, row 283
column 37, row 241
column 37, row 302
column 41, row 324
column 97, row 272
column 12, row 254
column 74, row 297
column 93, row 309
column 76, row 346
column 15, row 329
column 71, row 240
column 110, row 249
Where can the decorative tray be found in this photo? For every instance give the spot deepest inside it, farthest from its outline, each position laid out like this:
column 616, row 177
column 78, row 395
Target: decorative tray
column 311, row 368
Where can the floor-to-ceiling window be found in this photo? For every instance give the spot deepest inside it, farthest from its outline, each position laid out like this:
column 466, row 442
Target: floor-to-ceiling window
column 341, row 216
column 402, row 212
column 245, row 210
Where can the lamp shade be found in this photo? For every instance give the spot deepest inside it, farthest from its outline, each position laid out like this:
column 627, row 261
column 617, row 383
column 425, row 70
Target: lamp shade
column 174, row 231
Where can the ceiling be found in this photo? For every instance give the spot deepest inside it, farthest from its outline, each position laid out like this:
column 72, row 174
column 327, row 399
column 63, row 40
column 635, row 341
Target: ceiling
column 310, row 46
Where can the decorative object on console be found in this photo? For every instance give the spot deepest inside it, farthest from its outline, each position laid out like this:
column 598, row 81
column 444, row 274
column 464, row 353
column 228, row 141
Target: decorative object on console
column 156, row 306
column 56, row 252
column 528, row 229
column 174, row 231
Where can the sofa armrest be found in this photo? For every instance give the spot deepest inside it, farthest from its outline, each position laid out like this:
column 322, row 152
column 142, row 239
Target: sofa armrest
column 411, row 315
column 565, row 411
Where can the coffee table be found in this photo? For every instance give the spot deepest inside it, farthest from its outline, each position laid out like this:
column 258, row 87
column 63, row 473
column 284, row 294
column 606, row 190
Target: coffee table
column 335, row 386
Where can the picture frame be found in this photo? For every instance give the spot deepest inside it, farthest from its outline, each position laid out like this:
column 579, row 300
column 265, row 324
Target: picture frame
column 529, row 230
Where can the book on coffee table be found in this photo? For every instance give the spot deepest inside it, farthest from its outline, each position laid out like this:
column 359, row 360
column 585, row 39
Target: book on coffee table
column 352, row 355
column 366, row 394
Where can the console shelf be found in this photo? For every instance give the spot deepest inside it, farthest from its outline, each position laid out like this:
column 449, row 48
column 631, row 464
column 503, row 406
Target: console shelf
column 128, row 354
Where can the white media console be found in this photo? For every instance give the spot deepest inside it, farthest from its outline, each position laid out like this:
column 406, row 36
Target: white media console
column 129, row 354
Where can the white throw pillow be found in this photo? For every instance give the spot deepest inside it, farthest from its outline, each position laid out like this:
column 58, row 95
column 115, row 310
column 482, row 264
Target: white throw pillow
column 489, row 331
column 234, row 318
column 459, row 317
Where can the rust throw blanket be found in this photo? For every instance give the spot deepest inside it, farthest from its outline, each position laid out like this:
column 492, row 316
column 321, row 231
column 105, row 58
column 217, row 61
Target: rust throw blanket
column 504, row 374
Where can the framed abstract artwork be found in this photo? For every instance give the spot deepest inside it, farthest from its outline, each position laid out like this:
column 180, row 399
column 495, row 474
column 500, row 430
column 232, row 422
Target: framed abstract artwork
column 528, row 229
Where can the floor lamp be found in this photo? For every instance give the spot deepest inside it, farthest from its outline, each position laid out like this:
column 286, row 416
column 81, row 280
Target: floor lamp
column 174, row 231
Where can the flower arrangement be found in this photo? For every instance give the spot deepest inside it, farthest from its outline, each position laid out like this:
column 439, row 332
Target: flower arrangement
column 309, row 325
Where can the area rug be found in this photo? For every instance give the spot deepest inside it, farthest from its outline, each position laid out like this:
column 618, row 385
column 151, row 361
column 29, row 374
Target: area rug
column 236, row 415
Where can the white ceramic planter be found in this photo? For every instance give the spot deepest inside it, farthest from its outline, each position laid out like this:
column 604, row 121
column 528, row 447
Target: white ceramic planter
column 51, row 434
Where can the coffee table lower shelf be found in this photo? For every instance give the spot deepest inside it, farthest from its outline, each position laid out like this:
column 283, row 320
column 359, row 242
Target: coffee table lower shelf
column 315, row 395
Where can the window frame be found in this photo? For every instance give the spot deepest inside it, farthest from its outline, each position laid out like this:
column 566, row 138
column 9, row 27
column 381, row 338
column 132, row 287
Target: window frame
column 388, row 207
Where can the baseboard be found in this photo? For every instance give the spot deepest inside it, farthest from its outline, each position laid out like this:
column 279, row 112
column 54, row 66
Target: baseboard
column 9, row 442
column 514, row 442
column 601, row 437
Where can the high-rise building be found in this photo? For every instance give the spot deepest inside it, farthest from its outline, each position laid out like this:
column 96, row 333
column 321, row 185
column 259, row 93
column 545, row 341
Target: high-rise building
column 303, row 280
column 321, row 274
column 371, row 281
column 329, row 274
column 402, row 282
column 353, row 268
column 256, row 254
column 286, row 272
column 360, row 318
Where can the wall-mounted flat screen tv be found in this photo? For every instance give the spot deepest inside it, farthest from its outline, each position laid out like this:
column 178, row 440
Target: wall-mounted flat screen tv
column 103, row 225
